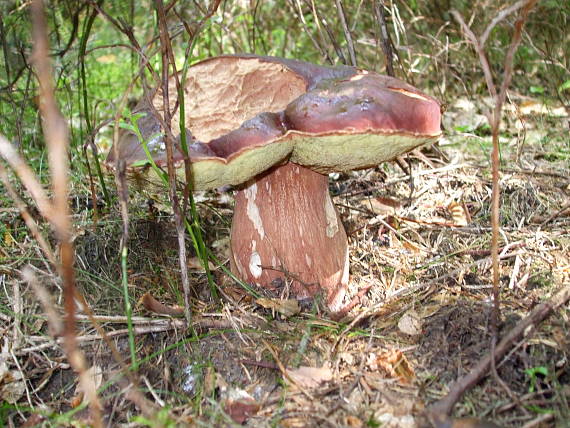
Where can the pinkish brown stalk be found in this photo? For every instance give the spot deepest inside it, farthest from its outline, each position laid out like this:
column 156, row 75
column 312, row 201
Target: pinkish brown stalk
column 286, row 227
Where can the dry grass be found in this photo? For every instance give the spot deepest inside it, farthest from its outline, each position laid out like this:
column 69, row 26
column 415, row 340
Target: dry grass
column 423, row 323
column 422, row 246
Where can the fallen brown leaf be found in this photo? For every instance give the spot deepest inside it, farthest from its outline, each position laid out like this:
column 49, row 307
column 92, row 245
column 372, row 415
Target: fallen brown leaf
column 394, row 364
column 410, row 323
column 287, row 308
column 382, row 206
column 242, row 409
column 309, row 377
column 153, row 305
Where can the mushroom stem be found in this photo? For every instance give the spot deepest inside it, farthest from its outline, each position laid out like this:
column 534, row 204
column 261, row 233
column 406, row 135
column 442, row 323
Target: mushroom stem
column 286, row 230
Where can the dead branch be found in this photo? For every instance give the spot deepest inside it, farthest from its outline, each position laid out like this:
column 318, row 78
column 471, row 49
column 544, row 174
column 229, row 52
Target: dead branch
column 384, row 36
column 27, row 177
column 30, row 222
column 167, row 62
column 495, row 122
column 347, row 35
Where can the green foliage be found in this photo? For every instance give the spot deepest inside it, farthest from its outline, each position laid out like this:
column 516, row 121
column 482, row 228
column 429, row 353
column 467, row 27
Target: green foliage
column 161, row 419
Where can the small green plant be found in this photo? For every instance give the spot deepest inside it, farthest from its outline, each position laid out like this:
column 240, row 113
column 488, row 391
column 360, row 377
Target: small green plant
column 161, row 419
column 534, row 374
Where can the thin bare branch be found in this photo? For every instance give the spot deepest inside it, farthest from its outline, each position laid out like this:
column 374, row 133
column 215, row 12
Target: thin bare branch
column 30, row 222
column 57, row 139
column 28, row 178
column 167, row 61
column 479, row 49
column 347, row 35
column 498, row 18
column 384, row 37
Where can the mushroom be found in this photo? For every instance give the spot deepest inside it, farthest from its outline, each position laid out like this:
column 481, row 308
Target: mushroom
column 275, row 128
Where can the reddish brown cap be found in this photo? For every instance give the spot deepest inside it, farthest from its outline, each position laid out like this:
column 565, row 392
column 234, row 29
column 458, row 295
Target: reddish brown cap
column 247, row 113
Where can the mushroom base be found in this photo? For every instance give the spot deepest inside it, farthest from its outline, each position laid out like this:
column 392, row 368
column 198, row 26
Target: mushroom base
column 286, row 232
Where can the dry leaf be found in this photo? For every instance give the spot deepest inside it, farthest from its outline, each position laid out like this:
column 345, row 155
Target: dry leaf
column 242, row 409
column 195, row 263
column 309, row 377
column 382, row 206
column 153, row 305
column 459, row 214
column 412, row 248
column 293, row 422
column 410, row 323
column 12, row 385
column 8, row 239
column 443, row 421
column 353, row 421
column 287, row 308
column 394, row 364
column 96, row 374
column 238, row 404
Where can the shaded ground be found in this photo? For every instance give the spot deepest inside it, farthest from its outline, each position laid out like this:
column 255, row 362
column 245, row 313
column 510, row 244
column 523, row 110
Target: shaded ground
column 421, row 245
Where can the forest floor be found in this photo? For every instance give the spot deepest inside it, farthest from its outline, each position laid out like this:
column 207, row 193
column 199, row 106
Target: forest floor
column 420, row 243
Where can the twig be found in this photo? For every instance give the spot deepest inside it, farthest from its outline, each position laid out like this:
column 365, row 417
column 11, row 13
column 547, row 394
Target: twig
column 498, row 18
column 284, row 370
column 56, row 135
column 384, row 36
column 480, row 264
column 28, row 219
column 161, row 325
column 27, row 177
column 556, row 214
column 167, row 62
column 495, row 122
column 299, row 12
column 347, row 35
column 536, row 316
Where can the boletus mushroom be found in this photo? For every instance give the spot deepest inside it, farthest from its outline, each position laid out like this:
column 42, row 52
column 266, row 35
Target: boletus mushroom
column 275, row 128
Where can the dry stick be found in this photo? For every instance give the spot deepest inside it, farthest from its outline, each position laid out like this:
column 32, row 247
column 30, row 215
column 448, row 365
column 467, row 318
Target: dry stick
column 495, row 121
column 347, row 35
column 56, row 135
column 536, row 316
column 556, row 214
column 319, row 30
column 384, row 36
column 27, row 177
column 500, row 100
column 500, row 16
column 299, row 12
column 30, row 222
column 167, row 60
column 333, row 40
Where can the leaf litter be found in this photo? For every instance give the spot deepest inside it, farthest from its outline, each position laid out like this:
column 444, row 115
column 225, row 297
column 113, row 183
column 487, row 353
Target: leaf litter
column 420, row 245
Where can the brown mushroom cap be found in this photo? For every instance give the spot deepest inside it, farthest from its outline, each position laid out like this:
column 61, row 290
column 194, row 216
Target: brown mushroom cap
column 247, row 113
